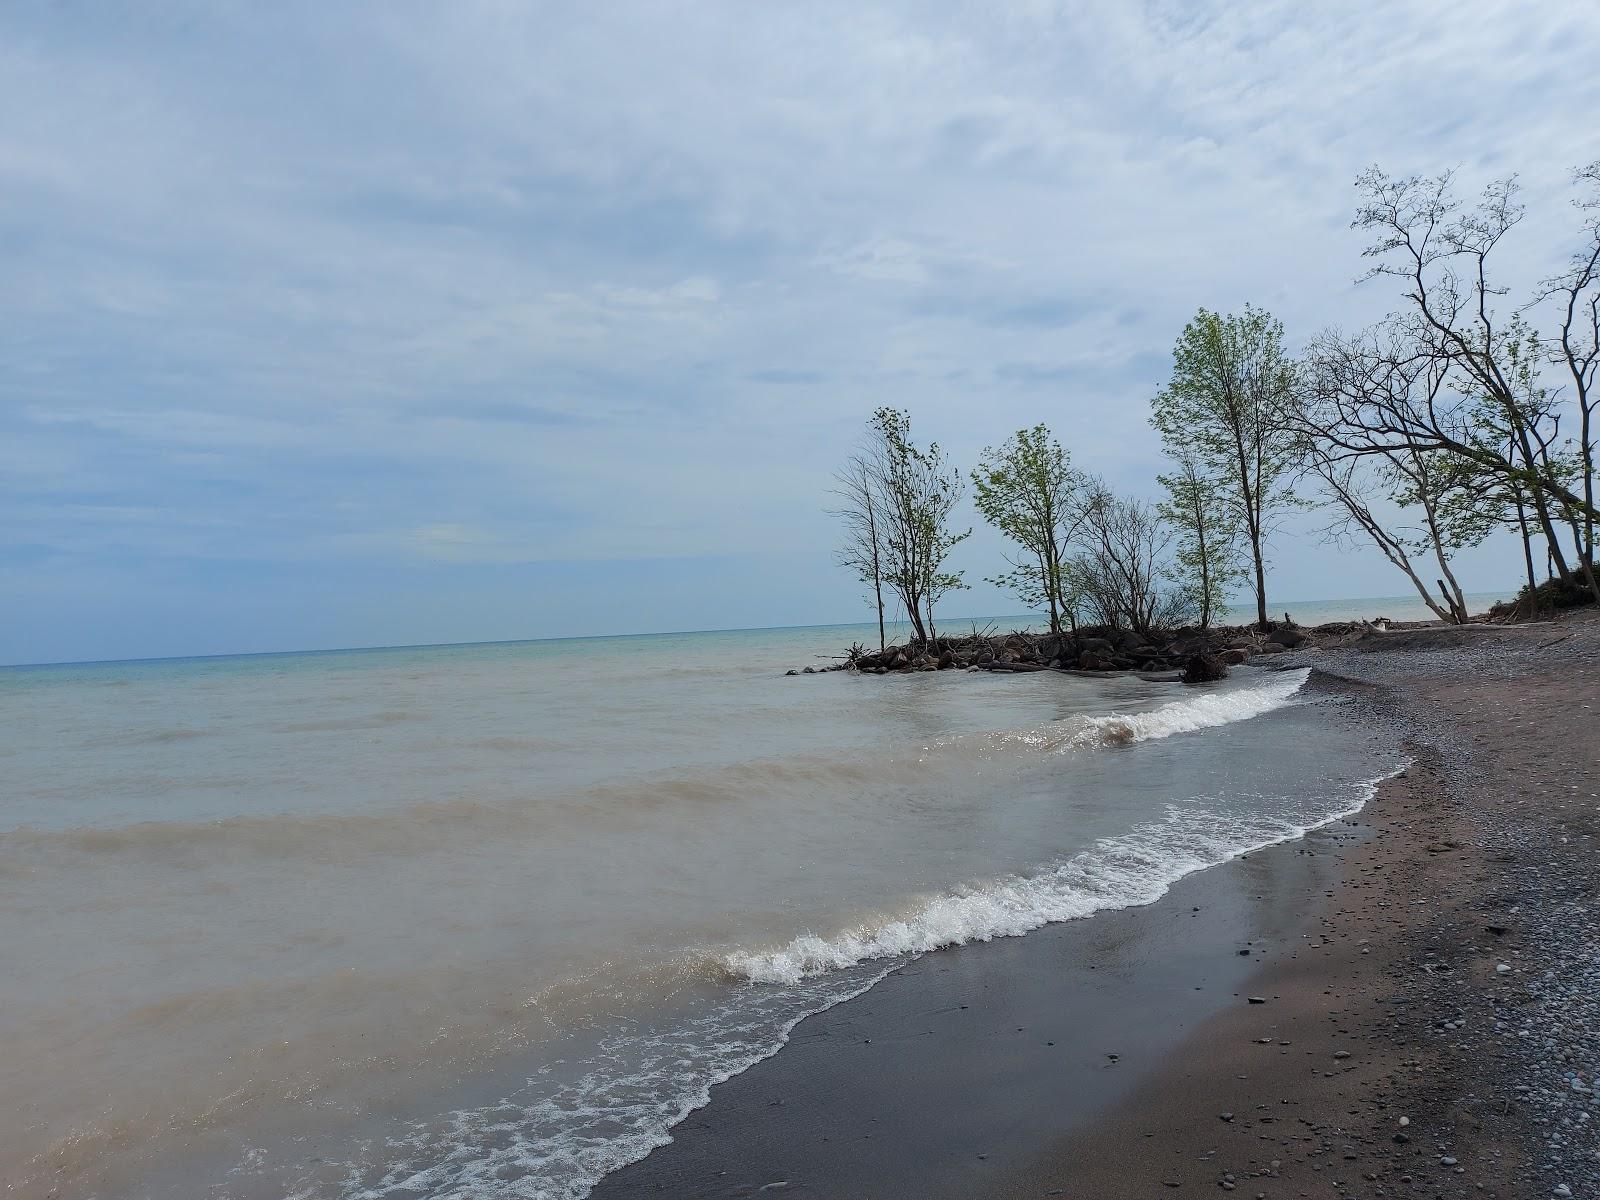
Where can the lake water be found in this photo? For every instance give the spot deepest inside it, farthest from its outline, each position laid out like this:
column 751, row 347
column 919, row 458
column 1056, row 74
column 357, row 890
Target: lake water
column 489, row 920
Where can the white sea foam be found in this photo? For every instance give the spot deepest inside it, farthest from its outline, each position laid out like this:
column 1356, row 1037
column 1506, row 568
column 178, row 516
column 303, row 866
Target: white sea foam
column 634, row 1091
column 1119, row 872
column 1203, row 710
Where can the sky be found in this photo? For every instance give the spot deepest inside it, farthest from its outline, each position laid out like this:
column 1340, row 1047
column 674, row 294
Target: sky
column 393, row 323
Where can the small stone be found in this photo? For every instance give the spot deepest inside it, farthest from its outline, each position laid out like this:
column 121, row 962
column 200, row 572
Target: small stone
column 1225, row 1116
column 1503, row 969
column 1447, row 1161
column 1257, row 999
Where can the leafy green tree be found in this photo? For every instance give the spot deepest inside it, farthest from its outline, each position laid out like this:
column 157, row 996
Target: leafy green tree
column 1207, row 557
column 1224, row 407
column 1026, row 488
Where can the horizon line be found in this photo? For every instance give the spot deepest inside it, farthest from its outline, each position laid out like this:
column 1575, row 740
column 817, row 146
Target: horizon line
column 576, row 637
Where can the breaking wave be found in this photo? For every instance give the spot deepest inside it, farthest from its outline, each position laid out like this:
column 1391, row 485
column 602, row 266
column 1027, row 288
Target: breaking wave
column 1134, row 869
column 1202, row 711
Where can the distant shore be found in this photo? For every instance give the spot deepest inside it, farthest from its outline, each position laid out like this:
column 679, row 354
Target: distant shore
column 1424, row 978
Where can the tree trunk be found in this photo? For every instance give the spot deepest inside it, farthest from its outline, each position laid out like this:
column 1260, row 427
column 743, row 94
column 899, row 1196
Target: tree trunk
column 1541, row 510
column 1048, row 578
column 1261, row 583
column 1527, row 545
column 1585, row 561
column 919, row 635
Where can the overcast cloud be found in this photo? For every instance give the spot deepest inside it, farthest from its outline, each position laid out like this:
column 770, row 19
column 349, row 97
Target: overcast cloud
column 388, row 323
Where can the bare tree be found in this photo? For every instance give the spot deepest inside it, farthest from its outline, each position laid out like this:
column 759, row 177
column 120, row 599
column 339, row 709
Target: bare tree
column 860, row 491
column 1370, row 495
column 1122, row 575
column 1480, row 398
column 1576, row 293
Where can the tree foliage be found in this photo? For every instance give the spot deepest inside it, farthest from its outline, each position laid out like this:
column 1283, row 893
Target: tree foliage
column 1207, row 561
column 917, row 490
column 1232, row 382
column 1026, row 488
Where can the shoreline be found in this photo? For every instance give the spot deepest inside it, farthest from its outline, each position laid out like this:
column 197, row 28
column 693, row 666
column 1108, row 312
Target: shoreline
column 983, row 1070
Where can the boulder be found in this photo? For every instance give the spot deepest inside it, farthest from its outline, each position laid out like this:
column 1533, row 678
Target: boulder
column 1095, row 660
column 1235, row 656
column 1204, row 668
column 1272, row 648
column 1094, row 645
column 1287, row 637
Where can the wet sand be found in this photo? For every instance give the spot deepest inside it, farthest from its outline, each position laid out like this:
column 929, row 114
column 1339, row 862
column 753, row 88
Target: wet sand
column 988, row 1070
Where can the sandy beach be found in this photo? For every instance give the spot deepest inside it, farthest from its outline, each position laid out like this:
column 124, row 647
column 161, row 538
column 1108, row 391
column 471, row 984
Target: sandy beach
column 1402, row 1003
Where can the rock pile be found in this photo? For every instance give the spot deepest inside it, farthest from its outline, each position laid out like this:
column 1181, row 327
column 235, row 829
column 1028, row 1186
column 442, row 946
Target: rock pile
column 1202, row 654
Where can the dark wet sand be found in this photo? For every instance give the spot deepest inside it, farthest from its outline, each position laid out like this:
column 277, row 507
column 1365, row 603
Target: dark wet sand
column 986, row 1071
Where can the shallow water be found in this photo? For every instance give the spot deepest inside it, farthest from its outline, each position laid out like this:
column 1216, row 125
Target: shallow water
column 488, row 920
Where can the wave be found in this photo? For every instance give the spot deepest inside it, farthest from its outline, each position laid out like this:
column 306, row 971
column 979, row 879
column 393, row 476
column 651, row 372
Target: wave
column 1133, row 869
column 629, row 1097
column 404, row 829
column 1206, row 710
column 1198, row 710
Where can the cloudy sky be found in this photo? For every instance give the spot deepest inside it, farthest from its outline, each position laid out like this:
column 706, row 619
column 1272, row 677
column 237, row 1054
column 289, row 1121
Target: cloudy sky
column 375, row 323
